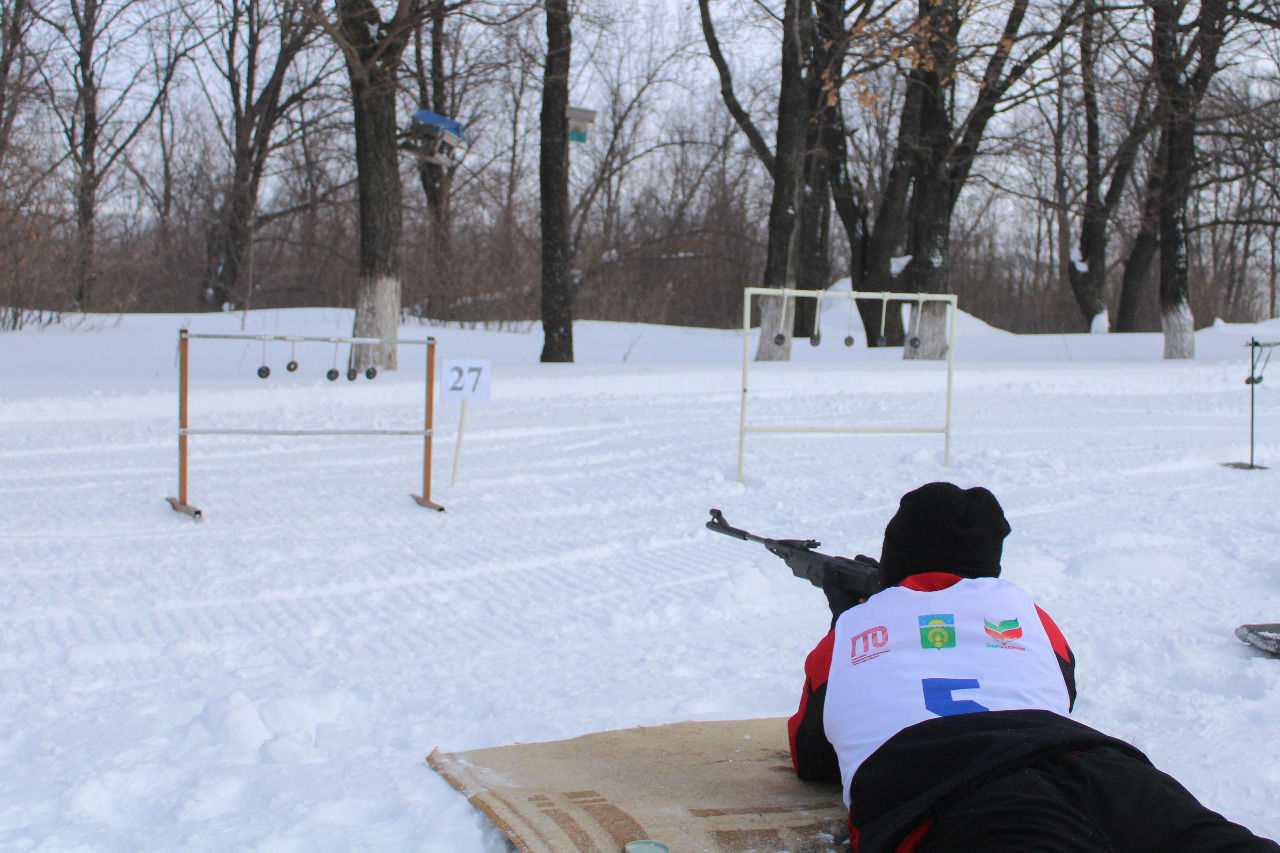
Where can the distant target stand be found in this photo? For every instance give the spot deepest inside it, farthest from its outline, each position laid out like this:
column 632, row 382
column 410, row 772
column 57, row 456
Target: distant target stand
column 180, row 503
column 1257, row 366
column 949, row 301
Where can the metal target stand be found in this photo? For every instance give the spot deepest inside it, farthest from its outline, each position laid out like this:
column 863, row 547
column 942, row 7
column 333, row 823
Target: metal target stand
column 1256, row 349
column 950, row 301
column 180, row 503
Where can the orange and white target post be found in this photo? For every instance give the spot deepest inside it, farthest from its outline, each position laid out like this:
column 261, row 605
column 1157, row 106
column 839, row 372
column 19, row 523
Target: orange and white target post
column 180, row 502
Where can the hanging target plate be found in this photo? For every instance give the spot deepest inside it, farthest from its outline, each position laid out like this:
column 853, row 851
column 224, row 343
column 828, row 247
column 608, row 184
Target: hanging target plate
column 351, row 374
column 332, row 374
column 264, row 372
column 291, row 366
column 370, row 373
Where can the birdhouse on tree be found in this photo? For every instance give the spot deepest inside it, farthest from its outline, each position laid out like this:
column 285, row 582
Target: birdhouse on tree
column 580, row 118
column 434, row 138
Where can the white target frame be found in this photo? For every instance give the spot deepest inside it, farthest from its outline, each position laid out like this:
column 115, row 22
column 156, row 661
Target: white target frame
column 884, row 297
column 180, row 503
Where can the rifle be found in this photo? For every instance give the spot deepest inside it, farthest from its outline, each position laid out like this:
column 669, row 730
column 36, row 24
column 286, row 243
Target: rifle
column 858, row 577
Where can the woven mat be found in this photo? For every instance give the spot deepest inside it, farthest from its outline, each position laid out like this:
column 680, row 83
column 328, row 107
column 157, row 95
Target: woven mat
column 697, row 787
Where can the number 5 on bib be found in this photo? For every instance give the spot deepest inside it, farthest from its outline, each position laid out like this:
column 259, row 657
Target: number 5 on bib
column 939, row 698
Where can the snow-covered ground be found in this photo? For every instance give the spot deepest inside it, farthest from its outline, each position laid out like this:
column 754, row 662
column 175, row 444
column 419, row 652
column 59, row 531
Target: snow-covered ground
column 271, row 679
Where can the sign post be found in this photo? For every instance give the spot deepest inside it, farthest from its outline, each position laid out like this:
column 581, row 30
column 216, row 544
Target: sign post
column 464, row 380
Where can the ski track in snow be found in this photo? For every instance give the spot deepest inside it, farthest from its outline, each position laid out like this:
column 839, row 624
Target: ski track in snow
column 272, row 678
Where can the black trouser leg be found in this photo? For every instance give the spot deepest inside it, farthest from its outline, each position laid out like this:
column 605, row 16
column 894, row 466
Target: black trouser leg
column 1093, row 801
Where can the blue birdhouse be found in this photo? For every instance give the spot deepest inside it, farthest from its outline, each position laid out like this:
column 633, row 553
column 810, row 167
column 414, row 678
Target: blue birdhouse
column 434, row 138
column 580, row 119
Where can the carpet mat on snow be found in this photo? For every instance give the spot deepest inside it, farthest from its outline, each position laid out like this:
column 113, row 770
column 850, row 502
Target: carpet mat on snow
column 697, row 787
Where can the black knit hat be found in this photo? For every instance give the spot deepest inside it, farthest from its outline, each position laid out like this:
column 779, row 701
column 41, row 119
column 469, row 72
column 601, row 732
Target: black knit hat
column 941, row 527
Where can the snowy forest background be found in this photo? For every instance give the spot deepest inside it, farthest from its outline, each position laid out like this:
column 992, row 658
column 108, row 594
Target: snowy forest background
column 166, row 156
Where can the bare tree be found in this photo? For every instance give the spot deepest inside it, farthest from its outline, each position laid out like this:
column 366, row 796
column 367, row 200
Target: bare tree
column 494, row 93
column 463, row 49
column 24, row 168
column 936, row 156
column 373, row 46
column 254, row 47
column 1184, row 58
column 104, row 117
column 317, row 186
column 438, row 92
column 636, row 66
column 553, row 176
column 1087, row 270
column 18, row 65
column 785, row 164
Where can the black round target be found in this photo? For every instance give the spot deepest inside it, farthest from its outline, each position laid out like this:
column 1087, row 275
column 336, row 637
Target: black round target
column 291, row 366
column 264, row 372
column 352, row 374
column 370, row 373
column 815, row 339
column 914, row 342
column 332, row 374
column 848, row 340
column 779, row 339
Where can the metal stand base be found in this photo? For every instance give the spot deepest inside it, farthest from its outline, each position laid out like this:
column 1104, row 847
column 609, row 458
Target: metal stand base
column 185, row 509
column 423, row 502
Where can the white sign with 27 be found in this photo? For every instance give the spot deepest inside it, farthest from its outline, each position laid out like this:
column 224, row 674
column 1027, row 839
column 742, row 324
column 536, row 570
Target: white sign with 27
column 466, row 379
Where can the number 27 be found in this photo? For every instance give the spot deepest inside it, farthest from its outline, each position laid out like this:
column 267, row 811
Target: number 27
column 458, row 374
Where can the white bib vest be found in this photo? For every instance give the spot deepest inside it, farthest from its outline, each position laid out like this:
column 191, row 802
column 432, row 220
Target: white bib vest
column 906, row 656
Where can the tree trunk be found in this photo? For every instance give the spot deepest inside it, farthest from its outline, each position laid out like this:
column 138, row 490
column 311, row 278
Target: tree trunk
column 86, row 230
column 227, row 279
column 373, row 50
column 888, row 235
column 1176, row 320
column 781, row 259
column 1146, row 242
column 850, row 205
column 813, row 250
column 1086, row 271
column 14, row 73
column 553, row 172
column 929, row 211
column 86, row 156
column 1137, row 272
column 378, row 184
column 1180, row 93
column 437, row 179
column 824, row 139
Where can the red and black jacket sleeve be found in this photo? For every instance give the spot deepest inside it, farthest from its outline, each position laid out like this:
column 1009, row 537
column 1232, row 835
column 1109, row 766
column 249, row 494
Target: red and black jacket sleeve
column 1066, row 657
column 812, row 754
